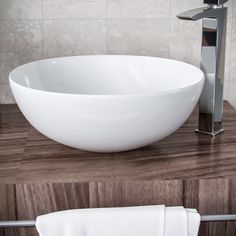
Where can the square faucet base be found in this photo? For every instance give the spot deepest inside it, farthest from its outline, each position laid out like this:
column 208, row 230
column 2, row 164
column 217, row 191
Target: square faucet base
column 213, row 134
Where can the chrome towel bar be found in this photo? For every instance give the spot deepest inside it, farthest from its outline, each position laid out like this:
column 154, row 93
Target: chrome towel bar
column 17, row 223
column 31, row 223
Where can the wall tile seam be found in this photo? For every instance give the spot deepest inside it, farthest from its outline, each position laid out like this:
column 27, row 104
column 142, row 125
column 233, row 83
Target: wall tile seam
column 106, row 29
column 22, row 18
column 42, row 28
column 232, row 30
column 73, row 19
column 18, row 20
column 230, row 49
column 170, row 7
column 89, row 18
column 104, row 18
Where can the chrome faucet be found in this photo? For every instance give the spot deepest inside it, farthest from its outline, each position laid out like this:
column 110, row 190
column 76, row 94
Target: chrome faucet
column 212, row 63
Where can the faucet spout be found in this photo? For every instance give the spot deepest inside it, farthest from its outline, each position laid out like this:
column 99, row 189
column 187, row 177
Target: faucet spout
column 212, row 63
column 200, row 13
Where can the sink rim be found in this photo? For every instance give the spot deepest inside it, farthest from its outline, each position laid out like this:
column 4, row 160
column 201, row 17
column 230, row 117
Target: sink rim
column 12, row 80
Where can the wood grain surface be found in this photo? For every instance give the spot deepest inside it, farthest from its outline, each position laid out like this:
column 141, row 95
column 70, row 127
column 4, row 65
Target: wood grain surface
column 8, row 207
column 26, row 156
column 209, row 196
column 38, row 175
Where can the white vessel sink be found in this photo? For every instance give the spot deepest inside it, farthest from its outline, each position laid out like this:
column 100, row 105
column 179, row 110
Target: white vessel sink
column 106, row 103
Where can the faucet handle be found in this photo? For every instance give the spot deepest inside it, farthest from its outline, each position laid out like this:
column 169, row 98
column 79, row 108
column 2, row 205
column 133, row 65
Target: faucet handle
column 215, row 2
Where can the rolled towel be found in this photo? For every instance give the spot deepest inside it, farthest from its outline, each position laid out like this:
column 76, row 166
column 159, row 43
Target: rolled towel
column 182, row 222
column 194, row 220
column 132, row 221
column 176, row 221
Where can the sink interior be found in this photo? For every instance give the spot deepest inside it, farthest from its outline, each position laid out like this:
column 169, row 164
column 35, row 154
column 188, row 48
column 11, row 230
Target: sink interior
column 118, row 75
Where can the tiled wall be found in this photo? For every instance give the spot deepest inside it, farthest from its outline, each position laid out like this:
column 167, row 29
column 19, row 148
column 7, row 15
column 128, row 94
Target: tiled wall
column 36, row 29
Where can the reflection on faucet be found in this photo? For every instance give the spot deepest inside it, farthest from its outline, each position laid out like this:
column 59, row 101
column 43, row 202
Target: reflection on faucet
column 212, row 63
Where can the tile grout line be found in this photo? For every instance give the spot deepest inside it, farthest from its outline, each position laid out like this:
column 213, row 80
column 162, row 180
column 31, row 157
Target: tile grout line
column 42, row 22
column 230, row 62
column 104, row 18
column 170, row 6
column 106, row 29
column 233, row 18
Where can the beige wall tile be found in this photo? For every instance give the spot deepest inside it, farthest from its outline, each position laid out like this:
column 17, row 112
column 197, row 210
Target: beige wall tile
column 73, row 9
column 20, row 42
column 234, row 8
column 74, row 37
column 230, row 5
column 226, row 90
column 138, row 9
column 20, row 9
column 228, row 49
column 233, row 51
column 232, row 93
column 138, row 37
column 78, row 27
column 185, row 41
column 6, row 96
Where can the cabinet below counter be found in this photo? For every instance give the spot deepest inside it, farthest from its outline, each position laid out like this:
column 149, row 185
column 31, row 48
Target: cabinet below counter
column 209, row 196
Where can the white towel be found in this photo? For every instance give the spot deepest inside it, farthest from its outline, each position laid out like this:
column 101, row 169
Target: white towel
column 126, row 221
column 193, row 222
column 184, row 221
column 176, row 220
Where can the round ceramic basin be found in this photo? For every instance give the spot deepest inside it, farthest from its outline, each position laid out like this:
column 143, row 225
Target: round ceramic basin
column 106, row 103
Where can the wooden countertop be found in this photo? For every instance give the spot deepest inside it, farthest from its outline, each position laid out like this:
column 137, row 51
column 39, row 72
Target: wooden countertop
column 26, row 156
